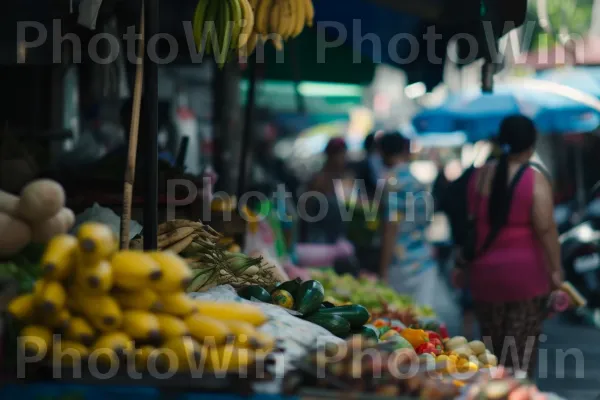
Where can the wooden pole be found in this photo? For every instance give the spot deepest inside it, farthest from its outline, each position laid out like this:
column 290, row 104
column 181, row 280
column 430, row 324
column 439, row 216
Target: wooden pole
column 133, row 140
column 151, row 16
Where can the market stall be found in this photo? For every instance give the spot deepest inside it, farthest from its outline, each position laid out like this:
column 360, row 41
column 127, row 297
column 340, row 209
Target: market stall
column 210, row 320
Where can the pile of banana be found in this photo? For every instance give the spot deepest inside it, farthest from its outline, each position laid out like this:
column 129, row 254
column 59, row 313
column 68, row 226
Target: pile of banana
column 228, row 28
column 204, row 251
column 96, row 301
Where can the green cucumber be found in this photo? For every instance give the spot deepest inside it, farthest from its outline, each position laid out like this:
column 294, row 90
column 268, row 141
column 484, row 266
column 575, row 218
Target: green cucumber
column 368, row 331
column 309, row 297
column 289, row 286
column 356, row 314
column 258, row 292
column 333, row 323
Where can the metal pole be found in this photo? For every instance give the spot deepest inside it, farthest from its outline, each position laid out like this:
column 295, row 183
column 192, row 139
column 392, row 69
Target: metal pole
column 151, row 21
column 248, row 122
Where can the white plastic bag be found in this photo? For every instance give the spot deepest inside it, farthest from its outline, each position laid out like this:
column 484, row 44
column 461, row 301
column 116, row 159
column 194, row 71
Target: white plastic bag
column 104, row 215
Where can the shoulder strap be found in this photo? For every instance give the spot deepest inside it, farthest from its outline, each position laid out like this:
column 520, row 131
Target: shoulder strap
column 511, row 189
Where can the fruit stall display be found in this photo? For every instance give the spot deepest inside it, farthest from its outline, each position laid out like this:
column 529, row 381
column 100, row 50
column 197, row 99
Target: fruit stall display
column 361, row 365
column 93, row 298
column 381, row 300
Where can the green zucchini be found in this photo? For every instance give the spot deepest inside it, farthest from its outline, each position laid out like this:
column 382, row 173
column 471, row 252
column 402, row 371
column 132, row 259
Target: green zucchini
column 355, row 314
column 333, row 323
column 289, row 286
column 309, row 297
column 258, row 292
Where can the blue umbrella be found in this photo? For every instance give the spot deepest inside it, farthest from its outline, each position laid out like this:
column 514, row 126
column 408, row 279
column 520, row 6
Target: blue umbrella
column 586, row 79
column 479, row 115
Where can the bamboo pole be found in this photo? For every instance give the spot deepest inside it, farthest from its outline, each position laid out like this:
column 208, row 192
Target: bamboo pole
column 133, row 140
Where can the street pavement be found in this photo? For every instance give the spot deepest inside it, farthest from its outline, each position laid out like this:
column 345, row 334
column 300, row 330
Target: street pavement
column 569, row 360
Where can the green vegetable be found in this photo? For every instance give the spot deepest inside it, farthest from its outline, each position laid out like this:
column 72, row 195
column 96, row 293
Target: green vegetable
column 290, row 286
column 368, row 331
column 309, row 297
column 333, row 323
column 258, row 292
column 356, row 314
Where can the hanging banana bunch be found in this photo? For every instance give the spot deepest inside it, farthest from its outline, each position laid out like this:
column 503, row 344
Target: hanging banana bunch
column 280, row 20
column 224, row 29
column 233, row 28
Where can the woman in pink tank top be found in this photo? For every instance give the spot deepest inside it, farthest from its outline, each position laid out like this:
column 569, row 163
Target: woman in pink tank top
column 517, row 261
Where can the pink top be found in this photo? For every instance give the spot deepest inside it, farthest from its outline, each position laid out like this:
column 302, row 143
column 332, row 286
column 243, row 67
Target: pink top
column 512, row 268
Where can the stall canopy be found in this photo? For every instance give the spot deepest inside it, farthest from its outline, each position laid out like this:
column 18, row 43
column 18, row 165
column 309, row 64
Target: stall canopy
column 479, row 115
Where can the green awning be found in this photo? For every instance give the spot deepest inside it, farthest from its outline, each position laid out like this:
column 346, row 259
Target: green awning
column 340, row 65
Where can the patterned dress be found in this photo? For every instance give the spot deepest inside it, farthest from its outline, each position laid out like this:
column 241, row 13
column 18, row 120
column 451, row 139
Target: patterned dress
column 413, row 270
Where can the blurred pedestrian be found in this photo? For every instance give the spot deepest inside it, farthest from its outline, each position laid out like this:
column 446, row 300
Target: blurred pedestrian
column 370, row 170
column 325, row 184
column 406, row 257
column 514, row 255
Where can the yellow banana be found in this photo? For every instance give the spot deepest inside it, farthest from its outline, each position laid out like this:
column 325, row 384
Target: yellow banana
column 262, row 16
column 80, row 330
column 274, row 18
column 118, row 342
column 228, row 358
column 289, row 10
column 141, row 325
column 22, row 307
column 52, row 297
column 96, row 279
column 176, row 275
column 179, row 304
column 309, row 8
column 69, row 352
column 251, row 44
column 188, row 354
column 35, row 340
column 171, row 326
column 96, row 242
column 247, row 23
column 208, row 330
column 240, row 329
column 103, row 312
column 59, row 320
column 108, row 348
column 232, row 311
column 59, row 257
column 299, row 18
column 134, row 270
column 253, row 4
column 145, row 299
column 143, row 355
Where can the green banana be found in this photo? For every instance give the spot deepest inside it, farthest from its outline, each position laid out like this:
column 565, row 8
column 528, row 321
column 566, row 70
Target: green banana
column 236, row 24
column 199, row 23
column 211, row 18
column 224, row 33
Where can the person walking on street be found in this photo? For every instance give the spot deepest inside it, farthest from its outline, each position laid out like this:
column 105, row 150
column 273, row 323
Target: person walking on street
column 515, row 261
